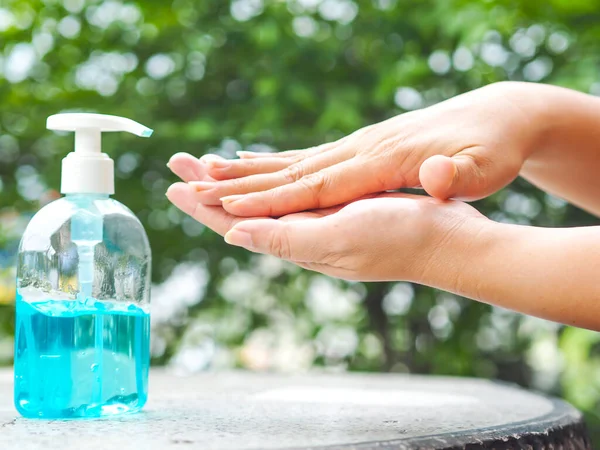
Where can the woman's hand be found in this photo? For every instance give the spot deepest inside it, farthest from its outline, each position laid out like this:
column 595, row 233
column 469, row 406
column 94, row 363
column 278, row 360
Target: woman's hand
column 382, row 238
column 385, row 237
column 467, row 147
column 543, row 272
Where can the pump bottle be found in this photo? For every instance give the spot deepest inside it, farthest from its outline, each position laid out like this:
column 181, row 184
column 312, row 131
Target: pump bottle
column 82, row 327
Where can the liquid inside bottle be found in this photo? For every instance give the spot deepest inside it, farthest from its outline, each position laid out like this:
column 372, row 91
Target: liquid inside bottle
column 57, row 374
column 82, row 328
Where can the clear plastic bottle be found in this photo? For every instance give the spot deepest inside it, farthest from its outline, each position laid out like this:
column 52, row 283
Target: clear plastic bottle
column 82, row 308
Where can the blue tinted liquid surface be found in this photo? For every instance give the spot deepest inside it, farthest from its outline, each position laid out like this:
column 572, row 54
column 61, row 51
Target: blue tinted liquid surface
column 62, row 372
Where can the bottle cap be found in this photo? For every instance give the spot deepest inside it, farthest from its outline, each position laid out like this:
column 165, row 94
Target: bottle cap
column 87, row 170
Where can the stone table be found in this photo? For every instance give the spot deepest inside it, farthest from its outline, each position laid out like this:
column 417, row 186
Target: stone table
column 241, row 410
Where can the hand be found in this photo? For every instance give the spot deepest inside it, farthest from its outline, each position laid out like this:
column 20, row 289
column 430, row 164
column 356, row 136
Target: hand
column 385, row 237
column 447, row 245
column 467, row 147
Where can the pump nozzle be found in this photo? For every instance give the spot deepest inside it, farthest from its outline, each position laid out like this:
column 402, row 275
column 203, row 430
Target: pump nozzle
column 101, row 122
column 87, row 170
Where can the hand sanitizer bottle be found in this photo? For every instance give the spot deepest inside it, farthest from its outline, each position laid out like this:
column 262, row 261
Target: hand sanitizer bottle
column 83, row 290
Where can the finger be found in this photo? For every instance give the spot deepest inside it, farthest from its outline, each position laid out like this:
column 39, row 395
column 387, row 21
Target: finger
column 472, row 174
column 211, row 193
column 187, row 167
column 305, row 153
column 298, row 241
column 334, row 185
column 312, row 214
column 215, row 217
column 184, row 197
column 256, row 155
column 436, row 175
column 238, row 168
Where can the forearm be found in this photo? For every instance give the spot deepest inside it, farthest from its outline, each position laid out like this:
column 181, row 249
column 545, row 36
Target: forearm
column 565, row 159
column 544, row 272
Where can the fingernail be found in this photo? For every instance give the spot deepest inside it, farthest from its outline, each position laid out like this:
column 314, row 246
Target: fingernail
column 210, row 157
column 239, row 238
column 169, row 189
column 202, row 185
column 231, row 198
column 219, row 164
column 242, row 153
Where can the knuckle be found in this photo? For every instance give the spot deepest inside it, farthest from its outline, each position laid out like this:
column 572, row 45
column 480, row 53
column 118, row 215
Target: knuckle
column 364, row 132
column 299, row 157
column 478, row 170
column 294, row 172
column 404, row 156
column 288, row 153
column 272, row 197
column 482, row 161
column 249, row 165
column 280, row 246
column 238, row 184
column 384, row 173
column 253, row 166
column 479, row 166
column 315, row 184
column 322, row 147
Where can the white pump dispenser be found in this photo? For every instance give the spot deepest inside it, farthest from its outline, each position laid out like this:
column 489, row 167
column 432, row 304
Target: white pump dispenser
column 87, row 170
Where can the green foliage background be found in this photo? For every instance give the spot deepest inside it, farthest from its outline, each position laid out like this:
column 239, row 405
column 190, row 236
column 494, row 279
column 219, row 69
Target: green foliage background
column 220, row 76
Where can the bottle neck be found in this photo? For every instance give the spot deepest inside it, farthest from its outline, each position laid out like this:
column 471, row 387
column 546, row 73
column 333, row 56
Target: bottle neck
column 87, row 172
column 87, row 197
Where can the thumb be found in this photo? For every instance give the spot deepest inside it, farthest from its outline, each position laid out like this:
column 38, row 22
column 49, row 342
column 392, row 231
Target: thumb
column 466, row 176
column 298, row 241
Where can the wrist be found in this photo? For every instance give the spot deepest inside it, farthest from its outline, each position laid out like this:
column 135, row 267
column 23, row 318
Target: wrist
column 558, row 118
column 533, row 107
column 455, row 255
